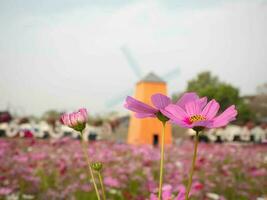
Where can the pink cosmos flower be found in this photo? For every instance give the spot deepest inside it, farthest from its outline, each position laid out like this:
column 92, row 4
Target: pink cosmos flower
column 75, row 120
column 197, row 113
column 160, row 102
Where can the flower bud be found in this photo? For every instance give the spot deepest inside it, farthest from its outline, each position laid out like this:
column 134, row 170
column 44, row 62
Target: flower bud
column 76, row 120
column 97, row 166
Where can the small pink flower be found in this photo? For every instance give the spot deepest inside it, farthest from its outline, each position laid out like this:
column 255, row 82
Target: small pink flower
column 167, row 192
column 28, row 134
column 62, row 167
column 153, row 197
column 181, row 194
column 75, row 120
column 197, row 113
column 111, row 182
column 258, row 172
column 198, row 186
column 5, row 191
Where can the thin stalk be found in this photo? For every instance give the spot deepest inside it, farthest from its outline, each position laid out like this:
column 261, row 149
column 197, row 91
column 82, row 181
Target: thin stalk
column 161, row 160
column 102, row 185
column 84, row 147
column 188, row 188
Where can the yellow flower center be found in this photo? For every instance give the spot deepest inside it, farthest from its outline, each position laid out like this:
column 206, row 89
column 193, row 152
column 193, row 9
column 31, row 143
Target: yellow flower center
column 196, row 118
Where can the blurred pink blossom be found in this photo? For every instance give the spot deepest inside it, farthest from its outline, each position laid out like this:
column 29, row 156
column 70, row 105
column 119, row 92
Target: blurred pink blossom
column 5, row 191
column 111, row 182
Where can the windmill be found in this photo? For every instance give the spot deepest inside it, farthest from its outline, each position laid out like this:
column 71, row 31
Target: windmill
column 135, row 67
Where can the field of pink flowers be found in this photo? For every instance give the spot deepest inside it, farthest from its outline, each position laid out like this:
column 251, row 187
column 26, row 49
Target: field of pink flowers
column 55, row 169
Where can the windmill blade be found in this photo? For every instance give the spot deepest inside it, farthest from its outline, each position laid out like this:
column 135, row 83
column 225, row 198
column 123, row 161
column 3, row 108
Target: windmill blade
column 118, row 99
column 121, row 97
column 137, row 71
column 172, row 74
column 131, row 61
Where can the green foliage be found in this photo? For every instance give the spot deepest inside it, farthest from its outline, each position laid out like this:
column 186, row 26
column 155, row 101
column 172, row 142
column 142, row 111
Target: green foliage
column 203, row 81
column 47, row 180
column 207, row 85
column 244, row 112
column 82, row 195
column 51, row 116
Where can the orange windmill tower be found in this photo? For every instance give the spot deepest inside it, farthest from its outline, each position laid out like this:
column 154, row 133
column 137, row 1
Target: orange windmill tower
column 148, row 130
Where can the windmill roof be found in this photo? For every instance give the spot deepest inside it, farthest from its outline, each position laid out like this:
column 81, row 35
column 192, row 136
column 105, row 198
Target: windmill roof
column 152, row 77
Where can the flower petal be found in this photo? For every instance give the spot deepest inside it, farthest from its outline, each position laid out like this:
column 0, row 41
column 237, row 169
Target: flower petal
column 186, row 98
column 202, row 102
column 206, row 124
column 144, row 115
column 181, row 123
column 211, row 109
column 193, row 108
column 73, row 119
column 84, row 113
column 174, row 112
column 65, row 119
column 227, row 116
column 80, row 118
column 138, row 106
column 160, row 101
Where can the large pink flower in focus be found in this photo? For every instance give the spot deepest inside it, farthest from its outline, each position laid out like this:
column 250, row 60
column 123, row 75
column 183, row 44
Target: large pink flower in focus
column 160, row 102
column 199, row 114
column 76, row 120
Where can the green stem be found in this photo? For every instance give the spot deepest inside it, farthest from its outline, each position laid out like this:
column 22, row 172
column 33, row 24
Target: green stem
column 161, row 160
column 84, row 147
column 192, row 167
column 102, row 185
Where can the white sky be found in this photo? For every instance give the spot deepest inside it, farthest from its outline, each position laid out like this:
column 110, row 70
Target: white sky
column 66, row 54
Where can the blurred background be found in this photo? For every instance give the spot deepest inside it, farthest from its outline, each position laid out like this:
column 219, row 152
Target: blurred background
column 57, row 56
